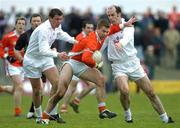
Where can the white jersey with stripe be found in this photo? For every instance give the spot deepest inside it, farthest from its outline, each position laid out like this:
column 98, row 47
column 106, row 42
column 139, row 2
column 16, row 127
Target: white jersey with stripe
column 43, row 37
column 126, row 38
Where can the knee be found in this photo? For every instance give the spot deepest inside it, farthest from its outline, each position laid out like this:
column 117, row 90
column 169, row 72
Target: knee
column 124, row 92
column 61, row 89
column 56, row 82
column 60, row 93
column 18, row 88
column 37, row 92
column 151, row 94
column 101, row 81
column 36, row 88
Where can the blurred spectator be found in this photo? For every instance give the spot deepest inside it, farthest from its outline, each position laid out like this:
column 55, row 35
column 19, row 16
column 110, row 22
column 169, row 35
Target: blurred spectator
column 123, row 14
column 138, row 41
column 43, row 15
column 11, row 18
column 161, row 21
column 178, row 24
column 157, row 43
column 178, row 57
column 146, row 21
column 147, row 36
column 103, row 15
column 28, row 16
column 89, row 16
column 150, row 61
column 3, row 23
column 150, row 14
column 171, row 39
column 173, row 16
column 75, row 22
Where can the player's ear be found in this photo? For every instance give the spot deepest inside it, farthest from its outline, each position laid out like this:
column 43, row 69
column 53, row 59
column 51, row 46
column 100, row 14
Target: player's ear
column 118, row 15
column 50, row 18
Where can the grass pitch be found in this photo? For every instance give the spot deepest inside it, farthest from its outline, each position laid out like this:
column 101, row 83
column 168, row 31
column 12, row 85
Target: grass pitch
column 143, row 114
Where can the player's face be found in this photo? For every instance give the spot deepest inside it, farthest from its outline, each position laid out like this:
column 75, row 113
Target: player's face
column 103, row 32
column 35, row 22
column 56, row 21
column 89, row 28
column 113, row 15
column 20, row 26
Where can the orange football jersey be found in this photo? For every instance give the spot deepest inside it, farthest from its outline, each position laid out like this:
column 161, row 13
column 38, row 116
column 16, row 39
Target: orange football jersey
column 90, row 44
column 8, row 44
column 1, row 50
column 80, row 36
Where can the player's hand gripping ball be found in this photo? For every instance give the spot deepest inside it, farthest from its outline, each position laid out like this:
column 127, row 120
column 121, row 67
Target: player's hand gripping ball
column 97, row 56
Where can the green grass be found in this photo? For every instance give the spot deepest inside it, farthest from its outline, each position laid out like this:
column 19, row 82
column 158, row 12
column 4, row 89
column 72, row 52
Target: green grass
column 143, row 114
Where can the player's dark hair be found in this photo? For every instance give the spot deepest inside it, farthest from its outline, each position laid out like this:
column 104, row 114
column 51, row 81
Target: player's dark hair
column 86, row 22
column 118, row 9
column 20, row 18
column 103, row 22
column 35, row 15
column 55, row 11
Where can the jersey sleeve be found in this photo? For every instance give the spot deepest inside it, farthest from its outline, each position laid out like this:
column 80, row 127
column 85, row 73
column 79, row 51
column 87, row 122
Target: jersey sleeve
column 4, row 42
column 91, row 45
column 87, row 54
column 1, row 51
column 128, row 37
column 87, row 58
column 44, row 48
column 65, row 36
column 114, row 28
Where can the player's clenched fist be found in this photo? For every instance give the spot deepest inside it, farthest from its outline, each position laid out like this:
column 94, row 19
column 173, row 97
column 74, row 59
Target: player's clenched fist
column 63, row 56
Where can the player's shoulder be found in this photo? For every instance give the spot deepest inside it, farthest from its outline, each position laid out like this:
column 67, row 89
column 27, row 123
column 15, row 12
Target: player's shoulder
column 91, row 36
column 80, row 36
column 27, row 33
column 129, row 29
column 10, row 34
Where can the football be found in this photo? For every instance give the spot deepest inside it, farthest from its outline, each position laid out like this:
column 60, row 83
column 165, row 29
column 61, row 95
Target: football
column 97, row 56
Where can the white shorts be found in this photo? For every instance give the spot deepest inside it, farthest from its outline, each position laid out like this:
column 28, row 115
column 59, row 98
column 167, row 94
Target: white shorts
column 75, row 78
column 59, row 64
column 33, row 67
column 77, row 67
column 13, row 70
column 131, row 68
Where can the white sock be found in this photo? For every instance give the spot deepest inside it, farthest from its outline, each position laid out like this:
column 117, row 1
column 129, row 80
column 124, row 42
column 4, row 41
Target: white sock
column 101, row 104
column 54, row 111
column 164, row 117
column 128, row 115
column 38, row 111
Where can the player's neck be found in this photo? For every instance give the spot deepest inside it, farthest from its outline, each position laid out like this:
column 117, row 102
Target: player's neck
column 18, row 33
